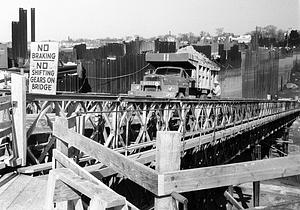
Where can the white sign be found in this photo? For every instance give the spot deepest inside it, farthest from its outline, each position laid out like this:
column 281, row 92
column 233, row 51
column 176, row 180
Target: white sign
column 43, row 67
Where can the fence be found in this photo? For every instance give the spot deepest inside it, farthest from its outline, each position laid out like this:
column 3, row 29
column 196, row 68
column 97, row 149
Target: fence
column 115, row 76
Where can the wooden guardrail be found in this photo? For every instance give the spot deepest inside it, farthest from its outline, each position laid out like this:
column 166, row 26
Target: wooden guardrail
column 68, row 180
column 167, row 179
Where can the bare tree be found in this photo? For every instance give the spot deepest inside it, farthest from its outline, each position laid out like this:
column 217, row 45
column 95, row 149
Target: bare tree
column 219, row 31
column 270, row 31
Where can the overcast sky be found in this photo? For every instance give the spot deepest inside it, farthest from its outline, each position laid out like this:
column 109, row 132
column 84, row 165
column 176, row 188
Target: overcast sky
column 58, row 19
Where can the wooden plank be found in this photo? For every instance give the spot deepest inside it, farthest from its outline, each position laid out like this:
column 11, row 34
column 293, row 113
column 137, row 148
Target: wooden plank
column 97, row 170
column 231, row 174
column 133, row 170
column 63, row 192
column 18, row 94
column 107, row 197
column 168, row 150
column 35, row 168
column 32, row 196
column 13, row 190
column 70, row 164
column 5, row 180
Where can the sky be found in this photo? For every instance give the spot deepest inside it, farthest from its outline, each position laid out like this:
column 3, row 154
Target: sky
column 58, row 19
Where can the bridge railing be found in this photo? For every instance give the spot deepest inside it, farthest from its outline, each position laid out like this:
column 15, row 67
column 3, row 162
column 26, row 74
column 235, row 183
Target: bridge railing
column 130, row 123
column 115, row 113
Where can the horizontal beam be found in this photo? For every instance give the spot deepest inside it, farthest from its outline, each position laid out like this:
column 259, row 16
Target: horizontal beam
column 127, row 167
column 63, row 96
column 35, row 168
column 225, row 175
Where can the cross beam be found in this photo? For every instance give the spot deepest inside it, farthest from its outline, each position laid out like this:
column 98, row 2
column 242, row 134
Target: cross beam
column 225, row 175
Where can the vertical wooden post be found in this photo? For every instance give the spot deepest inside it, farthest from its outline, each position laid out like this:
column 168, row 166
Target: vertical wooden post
column 285, row 144
column 256, row 185
column 61, row 124
column 18, row 94
column 168, row 149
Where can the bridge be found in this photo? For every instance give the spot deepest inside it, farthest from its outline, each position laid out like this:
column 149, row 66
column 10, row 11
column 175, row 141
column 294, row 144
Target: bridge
column 167, row 146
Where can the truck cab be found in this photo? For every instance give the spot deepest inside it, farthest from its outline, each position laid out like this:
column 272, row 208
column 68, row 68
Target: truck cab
column 167, row 81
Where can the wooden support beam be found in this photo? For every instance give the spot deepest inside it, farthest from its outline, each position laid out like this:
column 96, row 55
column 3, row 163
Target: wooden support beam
column 225, row 175
column 70, row 164
column 97, row 170
column 256, row 185
column 231, row 199
column 230, row 191
column 108, row 198
column 18, row 94
column 131, row 169
column 35, row 168
column 168, row 151
column 285, row 144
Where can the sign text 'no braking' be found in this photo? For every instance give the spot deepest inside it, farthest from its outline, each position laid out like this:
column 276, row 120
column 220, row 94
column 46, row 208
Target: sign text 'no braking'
column 43, row 67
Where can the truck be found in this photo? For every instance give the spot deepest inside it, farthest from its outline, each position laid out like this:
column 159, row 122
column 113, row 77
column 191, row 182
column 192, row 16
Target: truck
column 186, row 73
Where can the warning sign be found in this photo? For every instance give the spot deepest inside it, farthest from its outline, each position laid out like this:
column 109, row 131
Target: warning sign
column 43, row 67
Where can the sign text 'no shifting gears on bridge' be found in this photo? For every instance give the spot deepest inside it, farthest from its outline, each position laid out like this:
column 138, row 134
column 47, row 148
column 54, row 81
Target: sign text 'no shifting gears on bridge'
column 43, row 67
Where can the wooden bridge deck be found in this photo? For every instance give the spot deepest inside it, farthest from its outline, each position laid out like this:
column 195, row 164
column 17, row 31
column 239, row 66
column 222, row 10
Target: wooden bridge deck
column 23, row 192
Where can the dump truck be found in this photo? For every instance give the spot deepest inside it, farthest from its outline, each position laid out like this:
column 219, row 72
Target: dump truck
column 186, row 73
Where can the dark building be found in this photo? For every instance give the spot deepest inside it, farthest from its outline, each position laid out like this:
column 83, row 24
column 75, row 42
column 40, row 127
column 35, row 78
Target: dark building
column 19, row 36
column 32, row 24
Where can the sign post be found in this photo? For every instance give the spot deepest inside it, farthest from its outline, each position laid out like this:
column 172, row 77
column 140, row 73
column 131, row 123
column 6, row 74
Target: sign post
column 43, row 67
